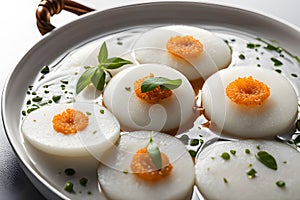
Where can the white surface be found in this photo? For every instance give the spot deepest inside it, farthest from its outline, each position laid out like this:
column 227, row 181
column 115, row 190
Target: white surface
column 19, row 33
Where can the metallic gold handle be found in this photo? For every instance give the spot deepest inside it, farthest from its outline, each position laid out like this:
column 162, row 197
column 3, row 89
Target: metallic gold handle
column 47, row 8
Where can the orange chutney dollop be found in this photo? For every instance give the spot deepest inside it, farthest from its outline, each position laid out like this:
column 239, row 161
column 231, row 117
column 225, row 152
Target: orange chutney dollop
column 247, row 91
column 185, row 47
column 143, row 167
column 70, row 121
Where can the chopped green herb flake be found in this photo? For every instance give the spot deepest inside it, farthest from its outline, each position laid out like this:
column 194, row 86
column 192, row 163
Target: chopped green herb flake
column 212, row 158
column 276, row 62
column 267, row 159
column 89, row 192
column 70, row 171
column 102, row 111
column 83, row 181
column 297, row 140
column 69, row 187
column 232, row 40
column 30, row 87
column 94, row 132
column 28, row 102
column 46, row 91
column 252, row 46
column 128, row 89
column 280, row 183
column 247, row 151
column 88, row 113
column 184, row 139
column 250, row 165
column 258, row 65
column 37, row 99
column 64, row 82
column 194, row 142
column 294, row 75
column 225, row 180
column 45, row 86
column 32, row 109
column 278, row 70
column 233, row 152
column 49, row 101
column 193, row 153
column 284, row 162
column 33, row 93
column 56, row 98
column 45, row 70
column 119, row 43
column 251, row 173
column 23, row 112
column 225, row 156
column 34, row 120
column 125, row 171
column 242, row 57
column 27, row 92
column 257, row 147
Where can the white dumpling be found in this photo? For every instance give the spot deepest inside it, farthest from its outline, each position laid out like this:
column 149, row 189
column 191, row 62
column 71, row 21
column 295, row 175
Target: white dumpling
column 151, row 48
column 220, row 179
column 274, row 116
column 118, row 182
column 101, row 132
column 172, row 113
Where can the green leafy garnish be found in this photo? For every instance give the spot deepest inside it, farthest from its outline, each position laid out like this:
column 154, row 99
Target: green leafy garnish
column 97, row 74
column 165, row 84
column 45, row 70
column 280, row 183
column 267, row 159
column 225, row 156
column 233, row 152
column 154, row 153
column 276, row 62
column 251, row 173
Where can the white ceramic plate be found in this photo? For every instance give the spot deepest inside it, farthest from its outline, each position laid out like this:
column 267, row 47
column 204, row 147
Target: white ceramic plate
column 104, row 23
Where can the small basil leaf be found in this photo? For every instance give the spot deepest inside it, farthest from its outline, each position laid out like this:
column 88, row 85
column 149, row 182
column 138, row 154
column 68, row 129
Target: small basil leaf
column 103, row 53
column 165, row 84
column 85, row 79
column 98, row 79
column 115, row 63
column 154, row 153
column 267, row 159
column 171, row 85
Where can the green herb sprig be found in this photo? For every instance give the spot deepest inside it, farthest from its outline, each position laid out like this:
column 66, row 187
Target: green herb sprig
column 165, row 84
column 97, row 74
column 154, row 153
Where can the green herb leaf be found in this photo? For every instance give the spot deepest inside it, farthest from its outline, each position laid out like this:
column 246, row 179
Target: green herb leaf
column 103, row 53
column 85, row 79
column 233, row 152
column 225, row 156
column 276, row 62
column 251, row 173
column 45, row 70
column 98, row 79
column 165, row 84
column 298, row 124
column 96, row 75
column 280, row 183
column 56, row 98
column 267, row 159
column 193, row 153
column 115, row 63
column 154, row 153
